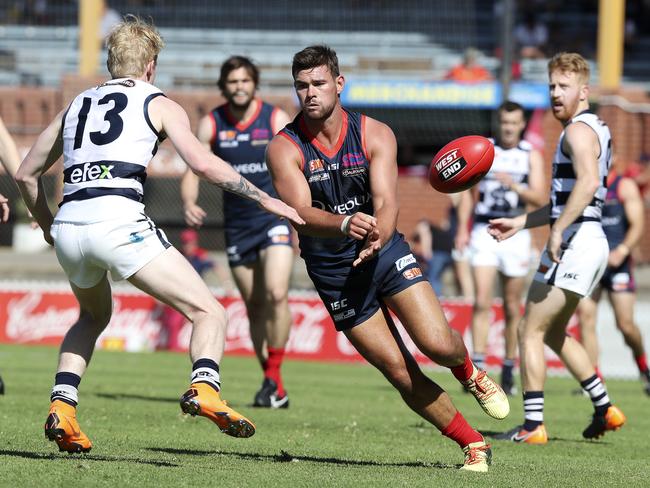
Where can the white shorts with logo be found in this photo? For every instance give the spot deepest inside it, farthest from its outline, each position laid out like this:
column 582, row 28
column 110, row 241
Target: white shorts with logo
column 86, row 251
column 584, row 260
column 511, row 257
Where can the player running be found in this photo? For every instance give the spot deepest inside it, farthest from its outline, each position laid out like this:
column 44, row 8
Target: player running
column 338, row 169
column 107, row 137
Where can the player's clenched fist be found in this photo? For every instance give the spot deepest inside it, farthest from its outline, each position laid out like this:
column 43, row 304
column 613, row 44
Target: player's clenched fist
column 358, row 225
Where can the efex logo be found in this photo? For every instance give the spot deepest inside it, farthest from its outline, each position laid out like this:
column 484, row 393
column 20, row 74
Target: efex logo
column 450, row 164
column 90, row 172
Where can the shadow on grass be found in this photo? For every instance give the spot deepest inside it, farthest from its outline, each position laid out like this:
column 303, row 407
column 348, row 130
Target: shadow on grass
column 492, row 433
column 129, row 396
column 83, row 457
column 285, row 457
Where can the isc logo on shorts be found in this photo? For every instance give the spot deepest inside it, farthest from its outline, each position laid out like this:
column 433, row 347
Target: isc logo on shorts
column 404, row 261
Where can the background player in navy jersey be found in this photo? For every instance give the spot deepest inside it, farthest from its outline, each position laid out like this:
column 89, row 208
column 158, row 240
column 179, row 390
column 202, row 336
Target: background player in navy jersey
column 515, row 182
column 339, row 170
column 258, row 243
column 10, row 161
column 107, row 137
column 575, row 256
column 623, row 222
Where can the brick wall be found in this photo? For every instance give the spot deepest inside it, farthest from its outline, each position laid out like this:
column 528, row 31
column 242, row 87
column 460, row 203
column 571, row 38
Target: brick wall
column 26, row 111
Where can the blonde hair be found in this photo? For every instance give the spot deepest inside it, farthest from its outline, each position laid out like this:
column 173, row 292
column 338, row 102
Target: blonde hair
column 570, row 63
column 131, row 46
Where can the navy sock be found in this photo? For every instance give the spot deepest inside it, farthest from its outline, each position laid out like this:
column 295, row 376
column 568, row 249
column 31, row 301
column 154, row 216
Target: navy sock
column 206, row 370
column 65, row 388
column 533, row 409
column 598, row 394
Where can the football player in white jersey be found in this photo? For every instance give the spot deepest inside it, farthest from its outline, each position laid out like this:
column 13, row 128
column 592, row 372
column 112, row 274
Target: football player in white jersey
column 575, row 256
column 10, row 161
column 514, row 184
column 107, row 136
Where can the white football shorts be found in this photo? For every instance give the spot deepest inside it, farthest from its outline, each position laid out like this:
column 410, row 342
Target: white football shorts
column 584, row 260
column 122, row 246
column 511, row 257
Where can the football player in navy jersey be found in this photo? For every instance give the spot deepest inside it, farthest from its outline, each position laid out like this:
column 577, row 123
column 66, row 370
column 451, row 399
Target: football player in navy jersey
column 623, row 223
column 338, row 169
column 258, row 244
column 10, row 161
column 575, row 256
column 107, row 137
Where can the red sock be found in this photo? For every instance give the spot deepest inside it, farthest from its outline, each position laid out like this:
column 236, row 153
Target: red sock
column 642, row 363
column 465, row 370
column 272, row 369
column 460, row 431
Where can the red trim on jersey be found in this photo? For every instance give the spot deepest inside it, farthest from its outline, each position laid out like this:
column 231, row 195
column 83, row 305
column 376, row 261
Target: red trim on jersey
column 240, row 126
column 213, row 139
column 302, row 156
column 363, row 138
column 330, row 153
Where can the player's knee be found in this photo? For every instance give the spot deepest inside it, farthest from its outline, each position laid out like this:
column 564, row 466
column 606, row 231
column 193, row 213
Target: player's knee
column 276, row 297
column 398, row 375
column 211, row 311
column 482, row 304
column 99, row 317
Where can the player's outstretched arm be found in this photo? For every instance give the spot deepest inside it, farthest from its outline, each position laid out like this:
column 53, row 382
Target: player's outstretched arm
column 43, row 154
column 169, row 117
column 285, row 162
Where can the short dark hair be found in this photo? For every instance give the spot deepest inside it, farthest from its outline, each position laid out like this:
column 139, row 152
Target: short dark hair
column 236, row 62
column 314, row 56
column 510, row 106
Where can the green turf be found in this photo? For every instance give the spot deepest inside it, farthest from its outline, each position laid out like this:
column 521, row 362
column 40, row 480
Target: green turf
column 346, row 427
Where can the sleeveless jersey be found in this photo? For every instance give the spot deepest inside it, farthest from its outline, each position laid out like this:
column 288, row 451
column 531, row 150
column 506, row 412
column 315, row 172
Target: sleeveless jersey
column 244, row 147
column 615, row 222
column 108, row 141
column 496, row 200
column 564, row 178
column 339, row 181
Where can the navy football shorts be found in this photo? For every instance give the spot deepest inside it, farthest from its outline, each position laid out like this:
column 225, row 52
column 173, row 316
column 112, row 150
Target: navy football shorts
column 243, row 245
column 620, row 279
column 353, row 295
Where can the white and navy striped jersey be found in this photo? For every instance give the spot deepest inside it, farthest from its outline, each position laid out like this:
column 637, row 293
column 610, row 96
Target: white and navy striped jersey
column 564, row 178
column 495, row 199
column 108, row 141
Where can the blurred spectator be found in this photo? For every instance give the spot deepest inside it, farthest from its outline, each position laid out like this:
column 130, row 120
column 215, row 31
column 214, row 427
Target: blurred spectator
column 531, row 37
column 110, row 18
column 631, row 31
column 31, row 12
column 470, row 70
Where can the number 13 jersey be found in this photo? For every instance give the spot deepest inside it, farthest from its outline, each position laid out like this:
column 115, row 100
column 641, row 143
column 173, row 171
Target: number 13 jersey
column 108, row 141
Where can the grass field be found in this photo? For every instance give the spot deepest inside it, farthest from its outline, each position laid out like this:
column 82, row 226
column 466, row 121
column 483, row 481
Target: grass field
column 346, row 427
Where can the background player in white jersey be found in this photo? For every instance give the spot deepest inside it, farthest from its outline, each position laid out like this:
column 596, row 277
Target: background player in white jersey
column 575, row 256
column 107, row 136
column 514, row 184
column 10, row 161
column 258, row 244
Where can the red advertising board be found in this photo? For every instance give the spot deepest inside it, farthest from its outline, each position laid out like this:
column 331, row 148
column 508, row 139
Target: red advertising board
column 34, row 314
